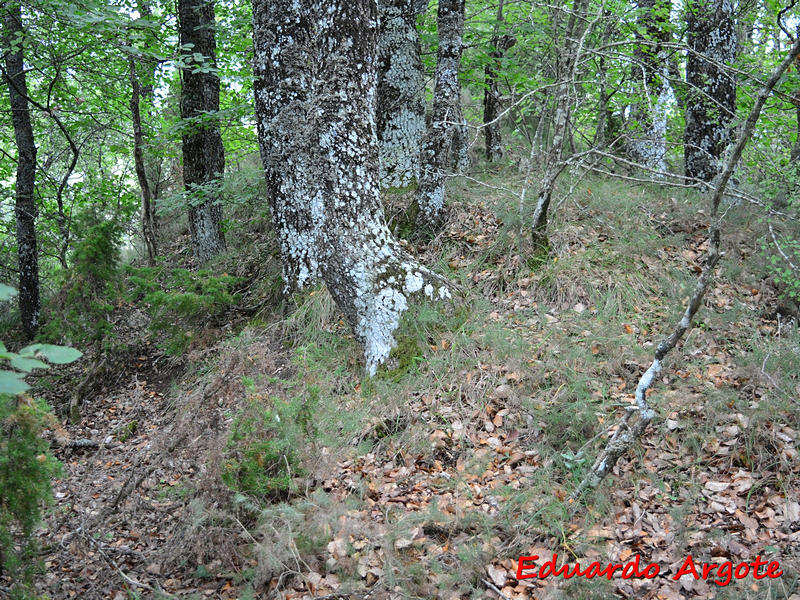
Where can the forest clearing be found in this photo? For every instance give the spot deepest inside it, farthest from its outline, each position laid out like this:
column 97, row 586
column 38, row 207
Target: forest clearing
column 399, row 300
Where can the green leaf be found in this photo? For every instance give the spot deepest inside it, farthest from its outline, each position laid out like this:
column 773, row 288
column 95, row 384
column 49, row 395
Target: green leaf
column 28, row 364
column 12, row 383
column 7, row 292
column 30, row 350
column 59, row 355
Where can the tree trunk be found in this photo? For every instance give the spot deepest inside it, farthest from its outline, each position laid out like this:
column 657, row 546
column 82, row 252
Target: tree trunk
column 648, row 145
column 445, row 141
column 203, row 154
column 315, row 88
column 491, row 92
column 711, row 97
column 401, row 93
column 576, row 26
column 147, row 66
column 25, row 207
column 795, row 154
column 148, row 229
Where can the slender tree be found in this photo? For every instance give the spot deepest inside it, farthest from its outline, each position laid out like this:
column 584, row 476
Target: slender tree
column 711, row 97
column 25, row 207
column 401, row 92
column 148, row 227
column 445, row 140
column 315, row 86
column 142, row 67
column 651, row 67
column 203, row 153
column 565, row 100
column 501, row 43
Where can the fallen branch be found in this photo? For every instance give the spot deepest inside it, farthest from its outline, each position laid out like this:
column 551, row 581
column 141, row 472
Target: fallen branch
column 495, row 589
column 130, row 580
column 629, row 431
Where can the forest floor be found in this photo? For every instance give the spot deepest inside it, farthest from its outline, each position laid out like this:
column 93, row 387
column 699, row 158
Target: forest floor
column 431, row 479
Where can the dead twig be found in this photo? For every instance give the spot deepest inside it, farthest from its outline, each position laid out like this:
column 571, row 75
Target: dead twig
column 125, row 576
column 495, row 589
column 780, row 250
column 627, row 434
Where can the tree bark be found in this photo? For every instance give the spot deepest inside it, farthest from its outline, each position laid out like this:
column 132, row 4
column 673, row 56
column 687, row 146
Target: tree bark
column 445, row 142
column 25, row 207
column 576, row 27
column 315, row 89
column 203, row 153
column 148, row 228
column 401, row 92
column 491, row 93
column 649, row 114
column 711, row 97
column 146, row 68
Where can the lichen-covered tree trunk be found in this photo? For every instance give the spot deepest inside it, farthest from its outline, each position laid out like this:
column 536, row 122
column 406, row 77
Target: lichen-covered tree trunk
column 491, row 93
column 711, row 97
column 795, row 154
column 651, row 67
column 203, row 153
column 445, row 142
column 315, row 89
column 401, row 92
column 25, row 207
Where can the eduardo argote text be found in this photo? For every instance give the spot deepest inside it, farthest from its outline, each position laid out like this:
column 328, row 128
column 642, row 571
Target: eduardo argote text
column 721, row 573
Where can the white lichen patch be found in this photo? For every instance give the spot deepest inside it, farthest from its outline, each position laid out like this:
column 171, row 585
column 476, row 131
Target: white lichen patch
column 400, row 101
column 414, row 282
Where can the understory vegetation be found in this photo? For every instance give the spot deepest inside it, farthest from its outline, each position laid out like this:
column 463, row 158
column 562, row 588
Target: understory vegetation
column 288, row 468
column 251, row 351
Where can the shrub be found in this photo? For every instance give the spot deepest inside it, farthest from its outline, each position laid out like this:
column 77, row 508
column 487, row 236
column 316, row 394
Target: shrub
column 80, row 312
column 262, row 452
column 180, row 300
column 26, row 465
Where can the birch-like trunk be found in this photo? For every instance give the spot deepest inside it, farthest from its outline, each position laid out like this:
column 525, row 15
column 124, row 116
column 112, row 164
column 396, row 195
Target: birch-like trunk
column 315, row 89
column 576, row 28
column 25, row 207
column 445, row 142
column 401, row 92
column 648, row 145
column 711, row 97
column 203, row 153
column 146, row 67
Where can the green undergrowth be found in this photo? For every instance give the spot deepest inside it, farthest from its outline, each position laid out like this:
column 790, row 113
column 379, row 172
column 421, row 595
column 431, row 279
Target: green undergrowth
column 180, row 301
column 262, row 457
column 79, row 314
column 26, row 470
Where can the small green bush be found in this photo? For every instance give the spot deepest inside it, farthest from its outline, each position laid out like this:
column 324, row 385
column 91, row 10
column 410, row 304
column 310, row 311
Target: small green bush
column 79, row 314
column 26, row 468
column 262, row 454
column 181, row 301
column 26, row 465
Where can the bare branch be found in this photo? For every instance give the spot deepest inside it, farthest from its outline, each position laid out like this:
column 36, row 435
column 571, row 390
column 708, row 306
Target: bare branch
column 626, row 433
